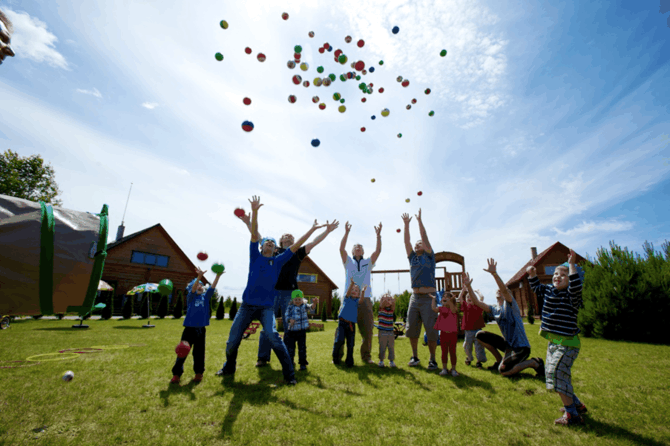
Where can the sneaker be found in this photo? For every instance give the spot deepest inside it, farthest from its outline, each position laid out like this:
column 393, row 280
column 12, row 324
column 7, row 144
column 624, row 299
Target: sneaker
column 580, row 409
column 454, row 373
column 223, row 373
column 444, row 372
column 432, row 365
column 370, row 361
column 569, row 420
column 292, row 382
column 175, row 380
column 197, row 378
column 381, row 364
column 468, row 362
column 261, row 363
column 413, row 362
column 392, row 364
column 540, row 369
column 479, row 365
column 336, row 362
column 303, row 368
column 494, row 367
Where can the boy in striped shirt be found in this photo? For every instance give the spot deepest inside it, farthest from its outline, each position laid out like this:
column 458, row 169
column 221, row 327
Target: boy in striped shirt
column 559, row 305
column 386, row 335
column 297, row 322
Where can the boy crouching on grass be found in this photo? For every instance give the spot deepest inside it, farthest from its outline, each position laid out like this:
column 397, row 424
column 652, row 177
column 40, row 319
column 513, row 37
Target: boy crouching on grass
column 197, row 318
column 559, row 305
column 297, row 322
column 346, row 326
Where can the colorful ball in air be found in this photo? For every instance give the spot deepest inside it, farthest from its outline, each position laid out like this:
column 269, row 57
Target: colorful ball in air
column 405, row 83
column 290, row 64
column 385, row 112
column 292, row 98
column 202, row 256
column 381, row 62
column 316, row 143
column 397, row 230
column 431, row 113
column 419, row 193
column 381, row 90
column 297, row 49
column 284, row 16
column 400, row 136
column 362, row 86
column 360, row 65
column 332, row 76
column 219, row 56
column 372, row 69
column 304, row 66
column 305, row 84
column 330, row 49
column 443, row 53
column 372, row 180
column 247, row 50
column 297, row 79
column 297, row 56
column 395, row 30
column 373, row 117
column 315, row 99
column 261, row 57
column 360, row 43
column 399, row 78
column 343, row 78
column 342, row 101
column 322, row 50
column 319, row 69
column 239, row 212
column 223, row 24
column 363, row 99
column 317, row 81
column 347, row 39
column 362, row 129
column 246, row 101
column 247, row 126
column 342, row 59
column 311, row 34
column 326, row 45
column 358, row 78
column 408, row 107
column 427, row 91
column 342, row 108
column 413, row 101
column 218, row 268
column 337, row 53
column 326, row 81
column 322, row 106
column 371, row 84
column 337, row 96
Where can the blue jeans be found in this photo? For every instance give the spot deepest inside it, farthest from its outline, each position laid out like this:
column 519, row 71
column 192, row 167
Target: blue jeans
column 282, row 299
column 345, row 331
column 245, row 314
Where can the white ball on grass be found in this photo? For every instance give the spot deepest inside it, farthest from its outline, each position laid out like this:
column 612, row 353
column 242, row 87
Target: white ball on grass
column 68, row 376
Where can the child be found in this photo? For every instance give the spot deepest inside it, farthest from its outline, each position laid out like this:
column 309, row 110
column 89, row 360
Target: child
column 447, row 324
column 559, row 305
column 472, row 322
column 197, row 318
column 296, row 330
column 386, row 335
column 347, row 318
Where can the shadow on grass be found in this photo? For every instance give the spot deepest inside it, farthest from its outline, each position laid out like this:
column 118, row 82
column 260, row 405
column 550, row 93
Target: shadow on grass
column 176, row 389
column 465, row 381
column 605, row 430
column 70, row 329
column 128, row 327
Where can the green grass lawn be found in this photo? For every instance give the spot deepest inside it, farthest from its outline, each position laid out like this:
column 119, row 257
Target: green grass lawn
column 122, row 395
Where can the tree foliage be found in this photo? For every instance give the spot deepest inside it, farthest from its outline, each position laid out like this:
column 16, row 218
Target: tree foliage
column 221, row 310
column 109, row 308
column 233, row 310
column 128, row 308
column 402, row 303
column 162, row 310
column 178, row 311
column 627, row 296
column 144, row 306
column 28, row 178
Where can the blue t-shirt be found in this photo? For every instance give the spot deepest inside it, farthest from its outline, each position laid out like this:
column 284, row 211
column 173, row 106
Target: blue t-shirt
column 349, row 309
column 511, row 325
column 263, row 276
column 422, row 269
column 197, row 314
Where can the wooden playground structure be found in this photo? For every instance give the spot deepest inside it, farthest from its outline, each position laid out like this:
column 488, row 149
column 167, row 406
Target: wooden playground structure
column 449, row 281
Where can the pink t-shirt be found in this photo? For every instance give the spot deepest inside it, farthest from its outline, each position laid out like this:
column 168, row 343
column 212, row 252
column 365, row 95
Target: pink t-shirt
column 446, row 320
column 473, row 318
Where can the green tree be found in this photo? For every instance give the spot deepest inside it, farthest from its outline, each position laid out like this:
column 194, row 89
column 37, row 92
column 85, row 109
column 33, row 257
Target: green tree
column 28, row 178
column 531, row 313
column 144, row 310
column 213, row 303
column 162, row 307
column 335, row 303
column 402, row 303
column 178, row 311
column 108, row 311
column 221, row 310
column 128, row 307
column 233, row 310
column 324, row 316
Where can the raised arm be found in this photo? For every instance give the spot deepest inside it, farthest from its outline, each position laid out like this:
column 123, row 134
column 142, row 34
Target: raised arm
column 575, row 286
column 216, row 280
column 424, row 236
column 408, row 245
column 461, row 295
column 375, row 255
column 433, row 303
column 343, row 245
column 255, row 206
column 349, row 289
column 467, row 282
column 330, row 227
column 501, row 285
column 296, row 246
column 246, row 218
column 315, row 302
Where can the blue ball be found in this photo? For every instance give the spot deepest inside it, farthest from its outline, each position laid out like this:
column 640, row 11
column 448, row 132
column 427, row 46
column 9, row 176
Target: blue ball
column 330, row 49
column 373, row 117
column 395, row 30
column 315, row 143
column 372, row 69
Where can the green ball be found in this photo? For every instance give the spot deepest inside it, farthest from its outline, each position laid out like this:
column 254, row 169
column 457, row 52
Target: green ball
column 358, row 78
column 362, row 86
column 343, row 78
column 400, row 136
column 431, row 113
column 381, row 62
column 320, row 69
column 332, row 76
column 298, row 49
column 342, row 59
column 342, row 101
column 337, row 96
column 219, row 56
column 443, row 53
column 218, row 268
column 224, row 24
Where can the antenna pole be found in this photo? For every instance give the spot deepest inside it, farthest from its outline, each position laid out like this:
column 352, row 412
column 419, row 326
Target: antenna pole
column 128, row 199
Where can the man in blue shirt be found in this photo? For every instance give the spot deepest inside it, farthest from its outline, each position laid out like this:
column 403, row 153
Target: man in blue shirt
column 258, row 297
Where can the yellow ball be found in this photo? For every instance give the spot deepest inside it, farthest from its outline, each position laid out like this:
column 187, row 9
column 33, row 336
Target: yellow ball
column 304, row 66
column 342, row 108
column 407, row 201
column 373, row 180
column 385, row 112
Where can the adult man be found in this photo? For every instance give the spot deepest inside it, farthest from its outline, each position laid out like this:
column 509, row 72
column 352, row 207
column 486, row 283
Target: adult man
column 514, row 342
column 6, row 30
column 258, row 297
column 422, row 272
column 360, row 269
column 287, row 282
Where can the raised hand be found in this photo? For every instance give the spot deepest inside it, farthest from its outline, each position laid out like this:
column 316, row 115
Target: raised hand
column 347, row 227
column 199, row 272
column 255, row 203
column 406, row 218
column 316, row 226
column 246, row 218
column 418, row 216
column 467, row 281
column 378, row 229
column 532, row 272
column 572, row 257
column 492, row 266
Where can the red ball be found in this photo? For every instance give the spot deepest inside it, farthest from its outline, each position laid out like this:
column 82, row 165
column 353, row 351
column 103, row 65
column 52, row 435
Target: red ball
column 361, row 43
column 261, row 57
column 326, row 45
column 397, row 230
column 285, row 16
column 427, row 91
column 246, row 101
column 322, row 106
column 322, row 50
column 292, row 98
column 202, row 256
column 371, row 85
column 337, row 53
column 296, row 56
column 239, row 212
column 419, row 193
column 247, row 50
column 363, row 99
column 297, row 79
column 413, row 101
column 359, row 65
column 362, row 129
column 381, row 90
column 405, row 83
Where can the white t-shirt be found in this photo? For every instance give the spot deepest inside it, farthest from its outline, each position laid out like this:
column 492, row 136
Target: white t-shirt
column 360, row 271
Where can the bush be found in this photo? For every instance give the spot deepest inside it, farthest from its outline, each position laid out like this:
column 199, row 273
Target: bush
column 128, row 307
column 213, row 303
column 402, row 303
column 109, row 309
column 324, row 317
column 38, row 316
column 60, row 316
column 162, row 310
column 221, row 310
column 144, row 310
column 335, row 304
column 315, row 327
column 233, row 310
column 531, row 313
column 178, row 311
column 625, row 296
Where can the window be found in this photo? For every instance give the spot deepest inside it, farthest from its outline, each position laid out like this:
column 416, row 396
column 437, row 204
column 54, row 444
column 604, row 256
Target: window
column 149, row 259
column 146, row 258
column 162, row 261
column 311, row 278
column 137, row 257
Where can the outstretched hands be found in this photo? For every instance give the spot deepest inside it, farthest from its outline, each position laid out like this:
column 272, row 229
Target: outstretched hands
column 406, row 218
column 330, row 227
column 492, row 266
column 378, row 229
column 572, row 257
column 347, row 227
column 246, row 218
column 467, row 281
column 199, row 272
column 255, row 203
column 418, row 216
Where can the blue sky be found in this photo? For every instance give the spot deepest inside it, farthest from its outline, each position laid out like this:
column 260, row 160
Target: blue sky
column 551, row 123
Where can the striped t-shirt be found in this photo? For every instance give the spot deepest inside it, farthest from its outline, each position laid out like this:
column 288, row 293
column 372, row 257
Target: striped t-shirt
column 559, row 308
column 385, row 319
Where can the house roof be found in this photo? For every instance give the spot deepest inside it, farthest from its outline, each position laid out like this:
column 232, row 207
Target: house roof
column 321, row 272
column 540, row 257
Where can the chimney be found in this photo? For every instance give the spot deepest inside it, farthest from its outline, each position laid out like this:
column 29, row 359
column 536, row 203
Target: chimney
column 119, row 232
column 533, row 253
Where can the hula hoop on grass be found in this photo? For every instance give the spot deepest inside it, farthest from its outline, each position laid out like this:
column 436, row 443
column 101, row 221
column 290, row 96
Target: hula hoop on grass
column 62, row 358
column 81, row 350
column 111, row 347
column 16, row 366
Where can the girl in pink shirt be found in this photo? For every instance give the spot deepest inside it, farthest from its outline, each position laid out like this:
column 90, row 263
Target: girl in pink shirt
column 447, row 324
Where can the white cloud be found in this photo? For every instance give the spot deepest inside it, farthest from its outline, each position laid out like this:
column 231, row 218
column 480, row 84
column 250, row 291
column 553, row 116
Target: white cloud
column 150, row 105
column 32, row 40
column 93, row 92
column 591, row 226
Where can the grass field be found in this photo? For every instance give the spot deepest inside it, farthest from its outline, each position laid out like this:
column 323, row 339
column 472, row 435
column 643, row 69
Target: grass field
column 122, row 395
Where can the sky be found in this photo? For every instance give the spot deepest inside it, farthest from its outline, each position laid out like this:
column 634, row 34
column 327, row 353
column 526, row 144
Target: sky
column 551, row 124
